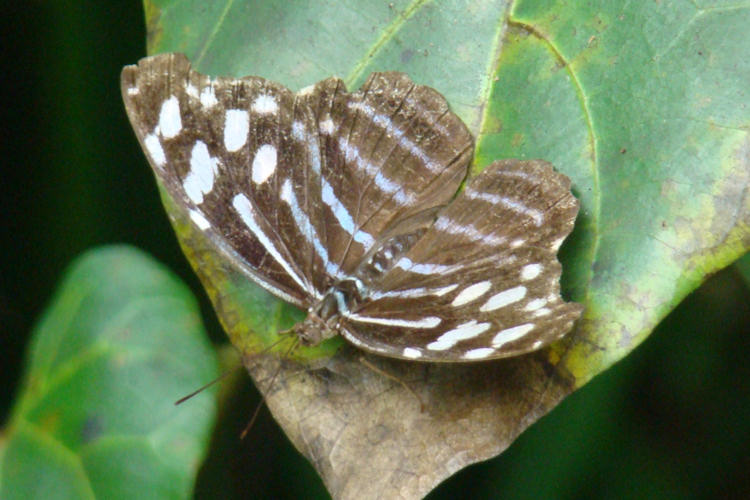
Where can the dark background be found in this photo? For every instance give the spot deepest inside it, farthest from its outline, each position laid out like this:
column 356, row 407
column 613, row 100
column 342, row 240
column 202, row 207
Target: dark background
column 672, row 420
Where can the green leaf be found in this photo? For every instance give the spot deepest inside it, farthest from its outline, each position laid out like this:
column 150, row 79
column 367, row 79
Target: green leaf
column 642, row 104
column 743, row 266
column 120, row 342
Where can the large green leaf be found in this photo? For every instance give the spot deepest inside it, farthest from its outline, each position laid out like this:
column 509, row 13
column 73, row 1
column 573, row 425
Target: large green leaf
column 642, row 104
column 743, row 266
column 120, row 342
column 654, row 132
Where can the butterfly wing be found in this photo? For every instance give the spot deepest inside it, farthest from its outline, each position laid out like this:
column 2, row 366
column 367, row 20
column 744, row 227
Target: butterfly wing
column 228, row 152
column 391, row 151
column 483, row 281
column 295, row 188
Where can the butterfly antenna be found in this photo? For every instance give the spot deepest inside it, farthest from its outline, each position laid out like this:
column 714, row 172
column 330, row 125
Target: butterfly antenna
column 206, row 386
column 394, row 378
column 223, row 375
column 295, row 343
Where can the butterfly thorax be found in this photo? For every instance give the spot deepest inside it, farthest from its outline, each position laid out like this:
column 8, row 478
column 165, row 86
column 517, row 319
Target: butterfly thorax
column 323, row 318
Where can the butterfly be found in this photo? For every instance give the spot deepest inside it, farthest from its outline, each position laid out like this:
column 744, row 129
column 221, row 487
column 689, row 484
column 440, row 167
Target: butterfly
column 347, row 205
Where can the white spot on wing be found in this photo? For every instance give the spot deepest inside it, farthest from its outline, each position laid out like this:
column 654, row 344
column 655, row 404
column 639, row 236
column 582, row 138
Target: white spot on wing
column 511, row 334
column 388, row 186
column 170, row 123
column 200, row 180
column 306, row 90
column 133, row 90
column 428, row 322
column 471, row 293
column 306, row 228
column 245, row 210
column 479, row 353
column 343, row 217
column 404, row 142
column 535, row 304
column 341, row 213
column 326, row 126
column 504, row 298
column 208, row 97
column 537, row 344
column 264, row 163
column 236, row 128
column 443, row 290
column 192, row 91
column 408, row 265
column 155, row 151
column 465, row 331
column 530, row 271
column 298, row 131
column 542, row 312
column 414, row 292
column 520, row 175
column 556, row 244
column 265, row 104
column 356, row 342
column 468, row 231
column 509, row 203
column 199, row 220
column 410, row 352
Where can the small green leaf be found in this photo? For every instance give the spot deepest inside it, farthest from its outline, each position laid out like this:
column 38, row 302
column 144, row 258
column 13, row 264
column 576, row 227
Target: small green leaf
column 120, row 342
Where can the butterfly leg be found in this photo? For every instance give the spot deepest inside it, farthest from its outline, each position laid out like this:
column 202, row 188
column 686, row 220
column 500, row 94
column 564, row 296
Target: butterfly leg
column 394, row 378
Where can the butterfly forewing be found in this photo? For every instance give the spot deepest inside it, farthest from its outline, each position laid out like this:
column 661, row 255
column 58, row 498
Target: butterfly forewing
column 228, row 151
column 390, row 150
column 326, row 194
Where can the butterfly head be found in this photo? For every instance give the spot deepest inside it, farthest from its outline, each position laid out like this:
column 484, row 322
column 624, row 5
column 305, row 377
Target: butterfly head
column 323, row 318
column 313, row 330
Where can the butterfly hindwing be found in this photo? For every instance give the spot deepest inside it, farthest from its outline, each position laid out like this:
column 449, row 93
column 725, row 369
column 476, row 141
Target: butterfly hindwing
column 477, row 285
